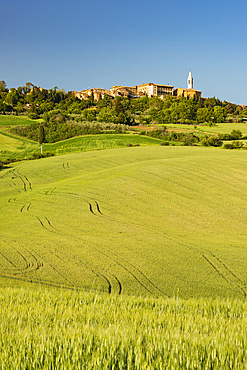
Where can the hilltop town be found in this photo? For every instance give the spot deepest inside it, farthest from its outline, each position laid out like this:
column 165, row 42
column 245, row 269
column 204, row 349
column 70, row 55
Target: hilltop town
column 149, row 89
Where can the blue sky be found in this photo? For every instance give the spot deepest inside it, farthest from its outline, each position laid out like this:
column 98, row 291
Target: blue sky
column 78, row 44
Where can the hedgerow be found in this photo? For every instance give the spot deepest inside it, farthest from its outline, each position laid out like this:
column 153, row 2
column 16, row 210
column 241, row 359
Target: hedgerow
column 57, row 130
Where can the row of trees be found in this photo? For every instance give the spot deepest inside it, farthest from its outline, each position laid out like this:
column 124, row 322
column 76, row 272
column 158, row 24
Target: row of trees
column 37, row 102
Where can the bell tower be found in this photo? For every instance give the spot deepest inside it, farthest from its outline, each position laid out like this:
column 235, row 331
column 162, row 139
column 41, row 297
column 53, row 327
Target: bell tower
column 190, row 81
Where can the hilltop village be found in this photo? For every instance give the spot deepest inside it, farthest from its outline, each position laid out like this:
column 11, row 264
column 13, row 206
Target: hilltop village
column 148, row 103
column 148, row 89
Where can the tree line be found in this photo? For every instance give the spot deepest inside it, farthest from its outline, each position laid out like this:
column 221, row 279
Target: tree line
column 40, row 103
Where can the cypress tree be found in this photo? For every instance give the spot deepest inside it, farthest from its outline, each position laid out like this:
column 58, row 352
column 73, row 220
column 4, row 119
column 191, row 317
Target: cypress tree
column 41, row 136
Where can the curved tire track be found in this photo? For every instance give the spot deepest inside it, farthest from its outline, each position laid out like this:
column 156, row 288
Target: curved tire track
column 98, row 208
column 233, row 284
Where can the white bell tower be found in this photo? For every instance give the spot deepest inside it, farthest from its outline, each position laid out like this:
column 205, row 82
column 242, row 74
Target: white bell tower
column 190, row 81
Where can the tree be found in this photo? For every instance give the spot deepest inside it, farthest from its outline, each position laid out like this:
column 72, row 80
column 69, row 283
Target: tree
column 219, row 114
column 11, row 98
column 19, row 90
column 118, row 105
column 200, row 103
column 2, row 107
column 27, row 88
column 236, row 134
column 211, row 141
column 41, row 137
column 3, row 86
column 204, row 115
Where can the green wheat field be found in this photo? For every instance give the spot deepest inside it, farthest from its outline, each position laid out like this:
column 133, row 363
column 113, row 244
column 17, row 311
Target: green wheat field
column 126, row 258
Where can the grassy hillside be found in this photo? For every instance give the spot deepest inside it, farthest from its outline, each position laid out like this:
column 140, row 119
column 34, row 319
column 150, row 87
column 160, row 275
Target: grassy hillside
column 150, row 221
column 11, row 120
column 219, row 128
column 15, row 147
column 12, row 146
column 70, row 330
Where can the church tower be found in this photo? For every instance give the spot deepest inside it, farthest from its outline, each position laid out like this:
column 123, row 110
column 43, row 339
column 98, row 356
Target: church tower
column 190, row 81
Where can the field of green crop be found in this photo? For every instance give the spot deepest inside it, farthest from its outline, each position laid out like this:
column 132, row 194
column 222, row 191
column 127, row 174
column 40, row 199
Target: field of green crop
column 219, row 128
column 61, row 329
column 150, row 221
column 11, row 120
column 15, row 147
column 18, row 148
column 12, row 146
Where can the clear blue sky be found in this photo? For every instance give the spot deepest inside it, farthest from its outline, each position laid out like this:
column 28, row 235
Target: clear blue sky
column 78, row 44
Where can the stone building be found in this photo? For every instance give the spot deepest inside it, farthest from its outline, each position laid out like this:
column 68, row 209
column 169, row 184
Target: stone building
column 151, row 89
column 190, row 92
column 148, row 89
column 127, row 91
column 84, row 94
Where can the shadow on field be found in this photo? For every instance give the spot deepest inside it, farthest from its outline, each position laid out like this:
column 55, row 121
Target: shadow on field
column 3, row 166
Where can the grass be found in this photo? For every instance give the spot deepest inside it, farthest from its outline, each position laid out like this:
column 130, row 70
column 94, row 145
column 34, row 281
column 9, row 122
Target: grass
column 220, row 128
column 11, row 120
column 56, row 329
column 12, row 146
column 146, row 221
column 99, row 142
column 15, row 147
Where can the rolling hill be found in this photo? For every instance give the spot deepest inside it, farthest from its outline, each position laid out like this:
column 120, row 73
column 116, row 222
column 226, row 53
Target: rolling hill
column 150, row 221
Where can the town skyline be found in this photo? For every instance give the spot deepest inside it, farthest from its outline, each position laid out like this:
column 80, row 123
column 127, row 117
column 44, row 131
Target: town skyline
column 81, row 44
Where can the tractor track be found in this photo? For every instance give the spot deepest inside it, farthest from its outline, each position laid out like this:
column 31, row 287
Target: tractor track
column 11, row 199
column 91, row 208
column 201, row 251
column 54, row 268
column 116, row 261
column 26, row 183
column 233, row 284
column 6, row 174
column 132, row 274
column 98, row 208
column 66, row 165
column 11, row 263
column 14, row 187
column 97, row 273
column 39, row 282
column 50, row 228
column 30, row 266
column 125, row 268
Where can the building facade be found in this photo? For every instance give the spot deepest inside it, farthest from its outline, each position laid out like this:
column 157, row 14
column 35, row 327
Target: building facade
column 148, row 89
column 84, row 94
column 151, row 89
column 190, row 92
column 126, row 91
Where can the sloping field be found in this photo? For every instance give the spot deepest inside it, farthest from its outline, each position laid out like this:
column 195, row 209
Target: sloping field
column 11, row 120
column 219, row 128
column 16, row 147
column 13, row 147
column 150, row 221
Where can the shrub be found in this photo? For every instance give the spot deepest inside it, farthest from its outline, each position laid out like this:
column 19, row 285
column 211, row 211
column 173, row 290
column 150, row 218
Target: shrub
column 39, row 155
column 234, row 145
column 225, row 137
column 59, row 130
column 236, row 134
column 33, row 115
column 211, row 141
